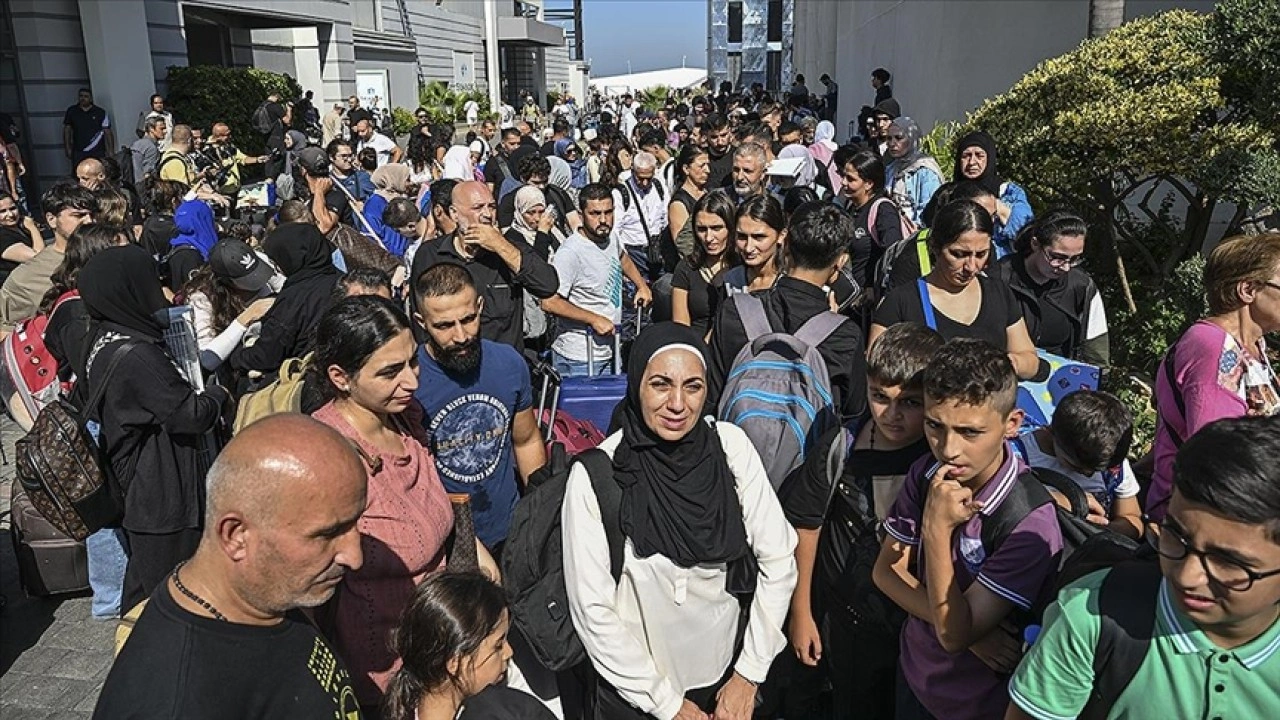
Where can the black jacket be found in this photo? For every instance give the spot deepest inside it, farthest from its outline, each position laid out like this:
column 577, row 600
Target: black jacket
column 790, row 304
column 502, row 319
column 151, row 427
column 1073, row 296
column 288, row 328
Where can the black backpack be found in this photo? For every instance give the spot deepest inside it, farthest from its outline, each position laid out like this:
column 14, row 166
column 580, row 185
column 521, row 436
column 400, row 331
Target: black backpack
column 533, row 558
column 262, row 121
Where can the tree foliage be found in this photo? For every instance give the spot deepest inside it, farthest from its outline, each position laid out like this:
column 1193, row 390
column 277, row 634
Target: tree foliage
column 1168, row 105
column 445, row 104
column 201, row 95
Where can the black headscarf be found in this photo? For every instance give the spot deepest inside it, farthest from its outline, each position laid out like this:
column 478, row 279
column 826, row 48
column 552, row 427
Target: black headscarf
column 678, row 498
column 989, row 179
column 120, row 290
column 300, row 251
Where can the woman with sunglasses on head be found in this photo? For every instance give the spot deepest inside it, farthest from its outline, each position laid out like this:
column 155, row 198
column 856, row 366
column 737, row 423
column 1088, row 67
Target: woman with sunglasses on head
column 1060, row 302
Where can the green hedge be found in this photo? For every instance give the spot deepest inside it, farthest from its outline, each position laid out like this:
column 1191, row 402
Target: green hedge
column 204, row 94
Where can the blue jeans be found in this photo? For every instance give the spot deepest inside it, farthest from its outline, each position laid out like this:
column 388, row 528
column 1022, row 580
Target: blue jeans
column 107, row 561
column 571, row 368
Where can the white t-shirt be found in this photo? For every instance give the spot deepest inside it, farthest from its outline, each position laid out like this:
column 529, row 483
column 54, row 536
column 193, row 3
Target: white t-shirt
column 590, row 278
column 1094, row 484
column 381, row 144
column 472, row 109
column 506, row 116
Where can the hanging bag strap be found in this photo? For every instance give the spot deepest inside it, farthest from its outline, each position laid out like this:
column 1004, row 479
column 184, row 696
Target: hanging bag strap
column 751, row 311
column 926, row 304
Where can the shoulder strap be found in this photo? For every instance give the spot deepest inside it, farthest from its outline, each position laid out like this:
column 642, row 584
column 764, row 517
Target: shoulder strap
column 926, row 304
column 818, row 328
column 609, row 496
column 1170, row 364
column 751, row 312
column 1026, row 495
column 96, row 396
column 922, row 252
column 1127, row 611
column 644, row 224
column 872, row 214
column 837, row 454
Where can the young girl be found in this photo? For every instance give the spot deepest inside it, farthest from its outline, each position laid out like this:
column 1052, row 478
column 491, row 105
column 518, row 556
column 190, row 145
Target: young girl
column 452, row 644
column 759, row 233
column 692, row 297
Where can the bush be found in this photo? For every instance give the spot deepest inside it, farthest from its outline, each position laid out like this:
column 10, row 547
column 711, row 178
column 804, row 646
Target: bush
column 201, row 95
column 402, row 122
column 444, row 104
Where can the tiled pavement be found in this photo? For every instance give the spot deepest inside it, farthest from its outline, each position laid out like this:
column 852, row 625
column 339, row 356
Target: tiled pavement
column 53, row 654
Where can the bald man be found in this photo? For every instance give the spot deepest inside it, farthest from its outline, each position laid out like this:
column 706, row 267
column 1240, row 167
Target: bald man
column 90, row 174
column 223, row 637
column 502, row 267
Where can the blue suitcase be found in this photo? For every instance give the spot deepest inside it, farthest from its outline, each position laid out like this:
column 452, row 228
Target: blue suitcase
column 594, row 398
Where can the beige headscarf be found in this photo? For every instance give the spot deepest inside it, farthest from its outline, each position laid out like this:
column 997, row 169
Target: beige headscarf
column 528, row 197
column 391, row 181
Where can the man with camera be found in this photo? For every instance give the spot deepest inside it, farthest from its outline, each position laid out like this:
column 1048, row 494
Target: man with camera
column 179, row 163
column 227, row 159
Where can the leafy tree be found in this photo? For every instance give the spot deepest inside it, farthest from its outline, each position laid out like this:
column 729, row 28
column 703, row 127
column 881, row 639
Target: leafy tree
column 201, row 95
column 1144, row 112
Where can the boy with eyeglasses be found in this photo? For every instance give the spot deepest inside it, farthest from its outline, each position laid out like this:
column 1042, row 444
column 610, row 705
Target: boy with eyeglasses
column 1211, row 612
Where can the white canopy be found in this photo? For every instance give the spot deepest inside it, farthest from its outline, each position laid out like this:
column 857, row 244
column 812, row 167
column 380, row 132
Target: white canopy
column 678, row 78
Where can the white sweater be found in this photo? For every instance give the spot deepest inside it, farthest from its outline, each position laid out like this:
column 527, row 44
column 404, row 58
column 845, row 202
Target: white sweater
column 663, row 630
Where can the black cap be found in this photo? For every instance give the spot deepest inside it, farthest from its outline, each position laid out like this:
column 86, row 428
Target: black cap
column 237, row 262
column 314, row 160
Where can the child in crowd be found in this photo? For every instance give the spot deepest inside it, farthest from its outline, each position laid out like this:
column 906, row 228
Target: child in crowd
column 1088, row 442
column 1203, row 625
column 959, row 587
column 837, row 614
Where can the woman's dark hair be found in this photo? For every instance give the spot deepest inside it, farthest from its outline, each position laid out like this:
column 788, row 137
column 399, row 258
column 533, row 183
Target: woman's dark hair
column 956, row 219
column 84, row 243
column 450, row 615
column 349, row 333
column 949, row 193
column 763, row 208
column 368, row 278
column 420, row 152
column 533, row 165
column 1229, row 467
column 1045, row 228
column 688, row 154
column 612, row 166
column 166, row 195
column 368, row 159
column 718, row 203
column 113, row 207
column 224, row 298
column 869, row 167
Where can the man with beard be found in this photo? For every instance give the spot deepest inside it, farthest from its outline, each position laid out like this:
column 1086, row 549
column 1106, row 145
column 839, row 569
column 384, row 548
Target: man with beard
column 478, row 402
column 502, row 269
column 749, row 179
column 718, row 136
column 591, row 264
column 223, row 635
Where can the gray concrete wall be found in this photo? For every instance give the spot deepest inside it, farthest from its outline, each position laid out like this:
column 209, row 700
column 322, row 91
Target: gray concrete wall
column 557, row 68
column 438, row 31
column 168, row 44
column 946, row 56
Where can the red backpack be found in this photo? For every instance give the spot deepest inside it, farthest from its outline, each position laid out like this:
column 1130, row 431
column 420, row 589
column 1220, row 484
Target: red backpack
column 30, row 372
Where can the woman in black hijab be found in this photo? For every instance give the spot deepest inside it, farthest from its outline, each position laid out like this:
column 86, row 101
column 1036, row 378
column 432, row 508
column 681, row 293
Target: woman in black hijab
column 305, row 258
column 976, row 161
column 701, row 526
column 151, row 419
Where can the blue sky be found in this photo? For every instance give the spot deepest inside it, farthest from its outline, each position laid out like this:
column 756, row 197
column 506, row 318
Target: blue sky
column 652, row 34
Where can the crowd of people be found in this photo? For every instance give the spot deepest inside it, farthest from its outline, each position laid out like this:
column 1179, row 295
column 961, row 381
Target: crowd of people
column 868, row 537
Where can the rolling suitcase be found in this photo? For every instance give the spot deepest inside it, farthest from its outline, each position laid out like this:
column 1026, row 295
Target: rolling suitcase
column 558, row 426
column 595, row 397
column 49, row 562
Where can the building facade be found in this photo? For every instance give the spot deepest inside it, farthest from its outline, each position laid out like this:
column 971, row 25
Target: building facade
column 382, row 50
column 750, row 41
column 946, row 57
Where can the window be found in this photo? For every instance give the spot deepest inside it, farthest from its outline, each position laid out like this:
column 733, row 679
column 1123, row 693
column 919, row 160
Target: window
column 735, row 68
column 775, row 20
column 366, row 14
column 735, row 22
column 773, row 71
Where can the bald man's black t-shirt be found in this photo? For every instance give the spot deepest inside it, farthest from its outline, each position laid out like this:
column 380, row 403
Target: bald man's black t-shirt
column 179, row 665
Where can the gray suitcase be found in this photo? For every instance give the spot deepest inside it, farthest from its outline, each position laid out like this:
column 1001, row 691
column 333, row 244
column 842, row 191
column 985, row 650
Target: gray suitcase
column 49, row 562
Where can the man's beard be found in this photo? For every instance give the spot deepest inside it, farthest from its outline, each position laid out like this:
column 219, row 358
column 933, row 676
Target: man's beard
column 461, row 359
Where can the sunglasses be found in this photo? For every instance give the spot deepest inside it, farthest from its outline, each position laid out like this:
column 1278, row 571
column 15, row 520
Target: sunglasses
column 1060, row 259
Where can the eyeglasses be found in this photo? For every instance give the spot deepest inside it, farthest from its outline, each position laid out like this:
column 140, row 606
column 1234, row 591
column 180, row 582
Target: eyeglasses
column 1273, row 286
column 345, row 156
column 1224, row 571
column 1059, row 259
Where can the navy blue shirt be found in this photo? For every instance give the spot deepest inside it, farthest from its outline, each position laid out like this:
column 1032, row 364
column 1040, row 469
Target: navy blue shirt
column 469, row 422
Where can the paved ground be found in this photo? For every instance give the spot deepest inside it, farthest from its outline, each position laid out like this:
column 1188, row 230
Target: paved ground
column 53, row 655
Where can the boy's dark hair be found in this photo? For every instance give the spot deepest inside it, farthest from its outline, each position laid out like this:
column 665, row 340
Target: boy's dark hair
column 593, row 191
column 442, row 194
column 1229, row 466
column 788, row 127
column 368, row 159
column 1094, row 428
column 533, row 165
column 816, row 238
column 400, row 212
column 901, row 354
column 370, row 278
column 560, row 126
column 67, row 195
column 441, row 280
column 881, row 74
column 973, row 372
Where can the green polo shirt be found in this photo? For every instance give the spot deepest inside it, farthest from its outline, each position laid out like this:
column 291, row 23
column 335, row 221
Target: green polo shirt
column 1183, row 676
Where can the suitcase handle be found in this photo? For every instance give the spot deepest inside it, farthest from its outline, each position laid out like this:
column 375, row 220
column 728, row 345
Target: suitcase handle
column 617, row 350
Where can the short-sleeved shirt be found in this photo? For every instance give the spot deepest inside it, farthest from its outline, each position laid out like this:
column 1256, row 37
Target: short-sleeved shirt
column 1105, row 486
column 998, row 312
column 702, row 296
column 176, row 166
column 10, row 236
column 1184, row 674
column 88, row 129
column 381, row 144
column 469, row 422
column 960, row 686
column 590, row 278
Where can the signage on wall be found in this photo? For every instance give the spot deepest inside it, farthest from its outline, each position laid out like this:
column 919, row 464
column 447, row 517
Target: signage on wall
column 372, row 88
column 464, row 69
